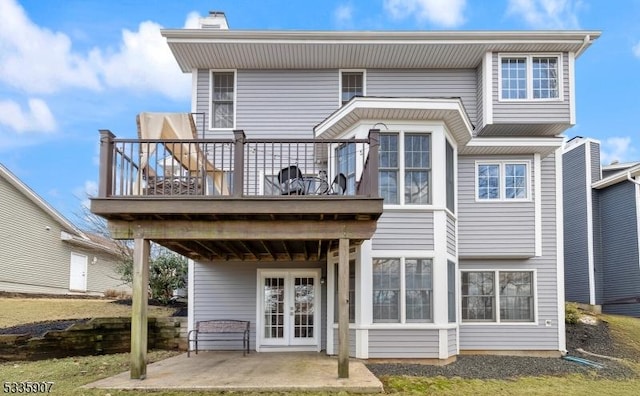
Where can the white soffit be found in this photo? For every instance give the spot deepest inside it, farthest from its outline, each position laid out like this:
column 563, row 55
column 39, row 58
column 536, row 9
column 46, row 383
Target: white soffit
column 382, row 110
column 241, row 49
column 508, row 146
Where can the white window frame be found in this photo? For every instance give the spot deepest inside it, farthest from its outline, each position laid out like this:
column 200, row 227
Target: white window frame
column 496, row 280
column 235, row 98
column 402, row 320
column 529, row 77
column 364, row 82
column 401, row 169
column 502, row 188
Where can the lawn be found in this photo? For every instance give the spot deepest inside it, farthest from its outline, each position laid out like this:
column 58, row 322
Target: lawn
column 71, row 373
column 15, row 311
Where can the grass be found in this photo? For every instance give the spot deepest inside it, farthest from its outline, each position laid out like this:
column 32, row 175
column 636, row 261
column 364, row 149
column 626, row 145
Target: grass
column 16, row 311
column 625, row 331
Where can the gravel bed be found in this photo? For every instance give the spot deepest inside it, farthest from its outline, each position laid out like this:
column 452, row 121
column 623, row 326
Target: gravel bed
column 38, row 329
column 591, row 338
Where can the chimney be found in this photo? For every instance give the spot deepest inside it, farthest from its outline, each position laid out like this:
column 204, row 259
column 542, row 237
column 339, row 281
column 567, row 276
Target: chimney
column 215, row 20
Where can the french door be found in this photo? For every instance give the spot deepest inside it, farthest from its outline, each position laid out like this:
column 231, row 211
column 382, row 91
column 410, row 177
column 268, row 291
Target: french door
column 289, row 308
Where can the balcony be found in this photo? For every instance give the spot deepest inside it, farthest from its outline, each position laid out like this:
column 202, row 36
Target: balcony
column 239, row 198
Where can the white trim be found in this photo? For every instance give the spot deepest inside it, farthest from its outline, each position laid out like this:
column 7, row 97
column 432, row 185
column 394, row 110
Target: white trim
column 537, row 203
column 572, row 88
column 562, row 343
column 443, row 343
column 235, row 98
column 637, row 182
column 191, row 295
column 496, row 280
column 551, row 142
column 529, row 77
column 194, row 91
column 589, row 202
column 362, row 343
column 501, row 164
column 487, row 94
column 364, row 82
column 400, row 326
column 440, row 297
column 576, row 142
column 616, row 178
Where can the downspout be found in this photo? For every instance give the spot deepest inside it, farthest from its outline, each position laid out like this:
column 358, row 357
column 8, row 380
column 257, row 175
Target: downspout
column 631, row 179
column 586, row 41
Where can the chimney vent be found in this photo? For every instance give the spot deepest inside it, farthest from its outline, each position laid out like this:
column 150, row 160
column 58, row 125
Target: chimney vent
column 215, row 20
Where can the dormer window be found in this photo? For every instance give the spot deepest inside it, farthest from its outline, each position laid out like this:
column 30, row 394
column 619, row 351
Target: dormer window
column 528, row 77
column 351, row 84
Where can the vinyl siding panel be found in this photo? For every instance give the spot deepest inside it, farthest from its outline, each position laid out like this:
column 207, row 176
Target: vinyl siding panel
column 36, row 260
column 227, row 290
column 277, row 103
column 451, row 235
column 352, row 342
column 597, row 229
column 398, row 230
column 532, row 111
column 480, row 95
column 620, row 246
column 403, row 343
column 493, row 229
column 535, row 336
column 576, row 254
column 438, row 83
column 452, row 340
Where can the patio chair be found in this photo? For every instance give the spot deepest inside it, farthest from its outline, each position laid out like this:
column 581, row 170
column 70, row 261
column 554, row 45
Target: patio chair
column 339, row 185
column 291, row 181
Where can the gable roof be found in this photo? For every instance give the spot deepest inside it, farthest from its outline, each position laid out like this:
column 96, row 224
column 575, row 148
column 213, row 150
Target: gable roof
column 294, row 49
column 621, row 176
column 41, row 203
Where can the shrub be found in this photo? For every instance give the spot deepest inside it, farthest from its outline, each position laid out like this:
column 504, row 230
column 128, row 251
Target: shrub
column 571, row 313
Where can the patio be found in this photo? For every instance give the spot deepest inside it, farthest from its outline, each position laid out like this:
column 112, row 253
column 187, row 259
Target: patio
column 267, row 372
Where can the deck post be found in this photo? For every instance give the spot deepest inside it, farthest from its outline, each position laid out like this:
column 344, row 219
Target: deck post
column 106, row 163
column 343, row 308
column 139, row 308
column 238, row 162
column 374, row 161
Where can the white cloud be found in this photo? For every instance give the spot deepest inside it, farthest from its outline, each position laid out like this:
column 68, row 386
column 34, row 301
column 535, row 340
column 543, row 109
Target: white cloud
column 34, row 59
column 343, row 14
column 446, row 13
column 37, row 118
column 636, row 50
column 617, row 148
column 547, row 14
column 84, row 192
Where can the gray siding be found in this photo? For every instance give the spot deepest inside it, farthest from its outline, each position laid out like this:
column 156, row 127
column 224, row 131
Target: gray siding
column 458, row 83
column 620, row 247
column 452, row 340
column 576, row 254
column 352, row 342
column 597, row 231
column 36, row 260
column 399, row 230
column 227, row 290
column 451, row 235
column 277, row 103
column 479, row 99
column 402, row 343
column 537, row 336
column 514, row 112
column 493, row 229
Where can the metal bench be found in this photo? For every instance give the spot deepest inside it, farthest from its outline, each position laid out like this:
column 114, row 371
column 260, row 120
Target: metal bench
column 219, row 330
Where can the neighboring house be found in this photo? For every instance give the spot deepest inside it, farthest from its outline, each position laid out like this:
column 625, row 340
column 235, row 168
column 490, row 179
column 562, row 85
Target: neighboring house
column 42, row 252
column 601, row 229
column 458, row 133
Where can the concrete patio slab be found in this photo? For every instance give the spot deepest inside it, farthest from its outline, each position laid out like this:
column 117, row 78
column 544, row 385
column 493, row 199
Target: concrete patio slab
column 230, row 371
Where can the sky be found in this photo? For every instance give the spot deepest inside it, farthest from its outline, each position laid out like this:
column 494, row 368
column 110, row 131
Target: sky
column 71, row 67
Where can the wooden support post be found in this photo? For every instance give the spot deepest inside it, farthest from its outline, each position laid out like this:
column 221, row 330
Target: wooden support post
column 374, row 161
column 139, row 308
column 238, row 163
column 343, row 308
column 105, row 179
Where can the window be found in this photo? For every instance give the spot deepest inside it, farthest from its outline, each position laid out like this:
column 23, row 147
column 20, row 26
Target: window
column 352, row 293
column 516, row 299
column 415, row 153
column 502, row 181
column 397, row 299
column 351, row 84
column 346, row 157
column 529, row 77
column 222, row 99
column 451, row 291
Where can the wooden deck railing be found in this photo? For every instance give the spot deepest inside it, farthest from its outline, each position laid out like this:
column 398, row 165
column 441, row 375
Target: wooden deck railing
column 237, row 167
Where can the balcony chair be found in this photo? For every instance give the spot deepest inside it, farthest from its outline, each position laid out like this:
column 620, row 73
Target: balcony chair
column 291, row 181
column 339, row 185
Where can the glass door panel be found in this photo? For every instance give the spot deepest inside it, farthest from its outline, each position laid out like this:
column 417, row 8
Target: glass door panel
column 304, row 308
column 274, row 308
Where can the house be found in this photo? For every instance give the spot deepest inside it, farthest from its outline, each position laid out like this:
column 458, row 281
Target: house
column 601, row 229
column 43, row 252
column 368, row 194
